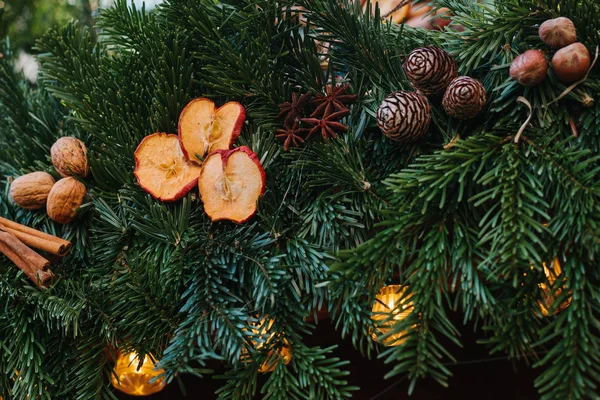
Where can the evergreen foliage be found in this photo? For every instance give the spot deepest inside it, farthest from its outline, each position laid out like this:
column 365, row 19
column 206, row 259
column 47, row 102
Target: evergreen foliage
column 465, row 227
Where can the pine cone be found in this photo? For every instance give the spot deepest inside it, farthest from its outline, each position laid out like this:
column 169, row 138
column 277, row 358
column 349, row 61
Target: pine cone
column 465, row 97
column 430, row 69
column 404, row 116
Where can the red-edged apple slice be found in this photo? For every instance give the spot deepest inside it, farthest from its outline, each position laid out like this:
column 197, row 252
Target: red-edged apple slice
column 231, row 181
column 203, row 128
column 161, row 168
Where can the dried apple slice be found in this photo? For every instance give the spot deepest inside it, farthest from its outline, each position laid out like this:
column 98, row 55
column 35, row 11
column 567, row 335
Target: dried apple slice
column 203, row 128
column 161, row 168
column 231, row 181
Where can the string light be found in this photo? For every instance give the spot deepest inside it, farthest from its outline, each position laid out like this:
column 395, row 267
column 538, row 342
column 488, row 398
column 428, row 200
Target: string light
column 549, row 295
column 136, row 381
column 284, row 353
column 390, row 299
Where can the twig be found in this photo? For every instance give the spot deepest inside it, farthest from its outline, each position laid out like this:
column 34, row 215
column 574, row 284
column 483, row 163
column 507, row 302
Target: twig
column 523, row 100
column 452, row 142
column 573, row 127
column 393, row 10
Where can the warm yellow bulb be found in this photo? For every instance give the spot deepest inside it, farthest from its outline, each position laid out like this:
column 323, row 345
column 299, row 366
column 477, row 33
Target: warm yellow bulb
column 134, row 381
column 552, row 273
column 273, row 357
column 390, row 300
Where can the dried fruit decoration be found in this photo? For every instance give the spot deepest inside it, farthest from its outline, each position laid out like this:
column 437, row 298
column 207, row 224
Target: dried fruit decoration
column 162, row 169
column 230, row 183
column 203, row 128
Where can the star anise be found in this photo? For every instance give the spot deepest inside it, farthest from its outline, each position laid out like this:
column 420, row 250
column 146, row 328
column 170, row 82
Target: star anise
column 292, row 111
column 333, row 101
column 291, row 136
column 328, row 125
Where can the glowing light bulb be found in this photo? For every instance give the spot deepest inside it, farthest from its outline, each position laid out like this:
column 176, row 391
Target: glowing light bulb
column 553, row 273
column 136, row 381
column 284, row 353
column 390, row 299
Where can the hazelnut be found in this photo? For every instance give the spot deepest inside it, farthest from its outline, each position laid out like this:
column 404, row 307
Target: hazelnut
column 529, row 68
column 571, row 63
column 558, row 32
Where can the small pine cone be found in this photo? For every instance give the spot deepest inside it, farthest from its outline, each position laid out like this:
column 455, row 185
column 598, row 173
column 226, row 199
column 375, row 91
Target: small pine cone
column 430, row 69
column 404, row 116
column 465, row 97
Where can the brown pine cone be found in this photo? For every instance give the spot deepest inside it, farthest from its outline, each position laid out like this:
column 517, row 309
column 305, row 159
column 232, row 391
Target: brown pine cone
column 465, row 97
column 404, row 116
column 430, row 69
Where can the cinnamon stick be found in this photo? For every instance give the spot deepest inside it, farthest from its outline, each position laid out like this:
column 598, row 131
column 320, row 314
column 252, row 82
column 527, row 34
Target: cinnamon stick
column 31, row 263
column 36, row 239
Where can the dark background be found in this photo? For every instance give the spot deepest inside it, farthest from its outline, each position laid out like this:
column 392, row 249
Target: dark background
column 476, row 376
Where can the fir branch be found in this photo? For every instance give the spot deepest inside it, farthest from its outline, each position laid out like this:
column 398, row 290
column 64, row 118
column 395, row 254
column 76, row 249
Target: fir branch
column 574, row 358
column 320, row 375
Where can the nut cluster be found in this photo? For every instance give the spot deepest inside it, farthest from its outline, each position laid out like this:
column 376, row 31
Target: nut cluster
column 570, row 62
column 62, row 199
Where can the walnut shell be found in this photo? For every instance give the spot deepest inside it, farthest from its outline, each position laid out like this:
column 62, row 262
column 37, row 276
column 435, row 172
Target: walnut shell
column 64, row 200
column 31, row 191
column 69, row 157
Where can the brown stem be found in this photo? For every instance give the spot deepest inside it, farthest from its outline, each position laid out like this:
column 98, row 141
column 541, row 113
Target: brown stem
column 452, row 142
column 587, row 100
column 523, row 100
column 393, row 10
column 573, row 127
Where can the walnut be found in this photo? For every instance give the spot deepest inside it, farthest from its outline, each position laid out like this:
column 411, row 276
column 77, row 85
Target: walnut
column 64, row 200
column 31, row 191
column 69, row 157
